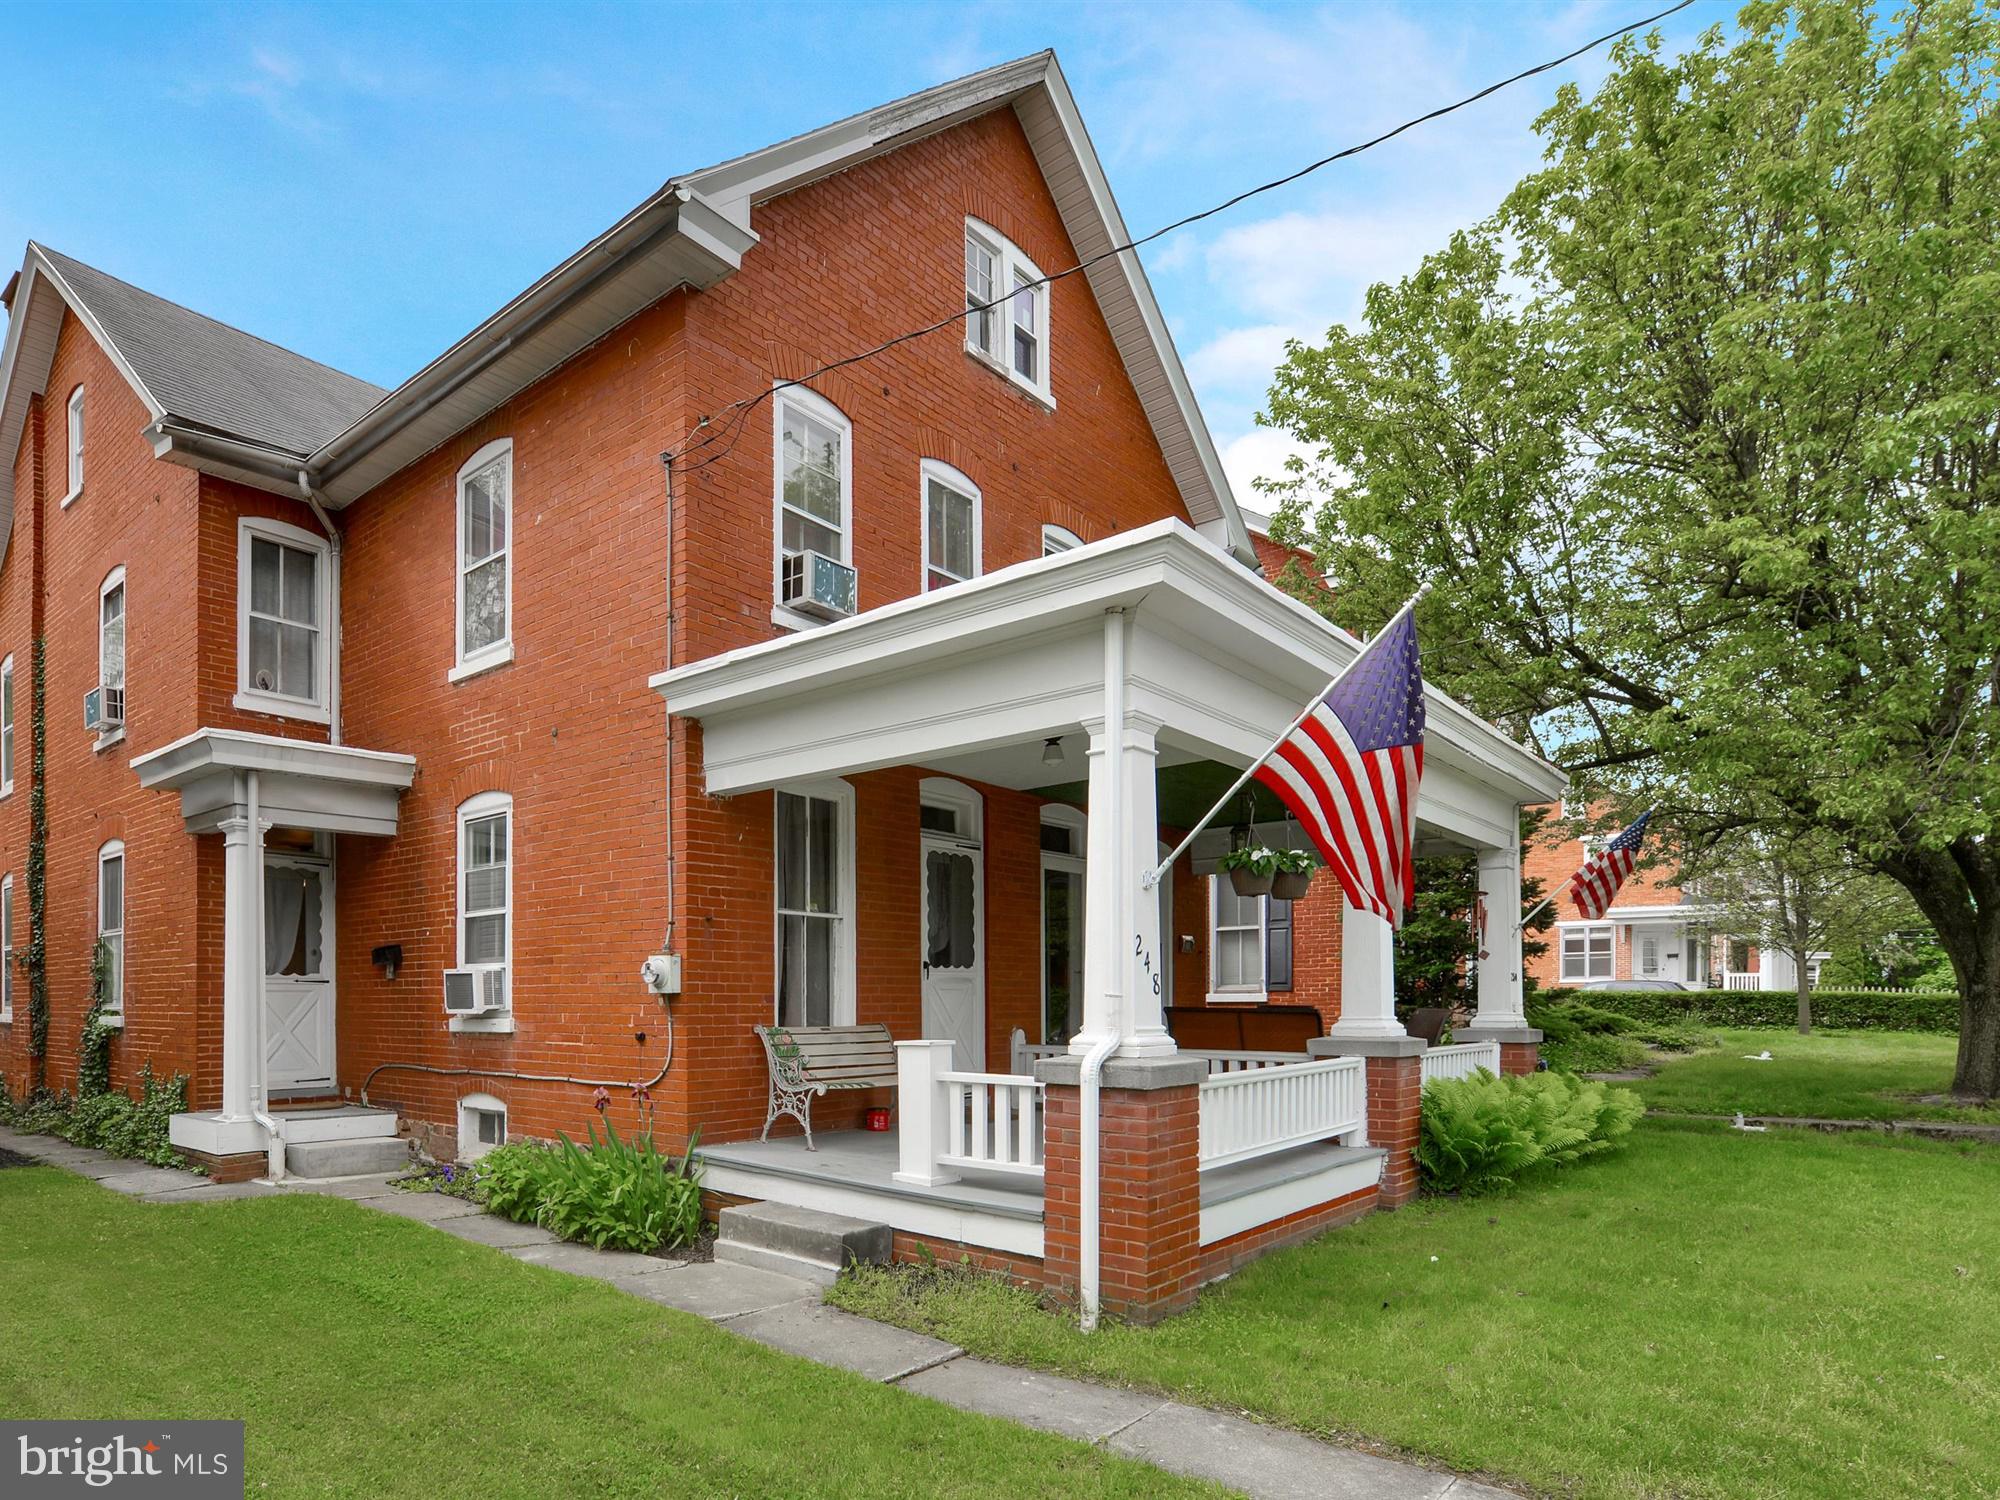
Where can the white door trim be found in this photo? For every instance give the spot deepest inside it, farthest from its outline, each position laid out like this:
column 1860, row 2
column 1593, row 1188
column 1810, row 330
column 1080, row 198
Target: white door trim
column 937, row 791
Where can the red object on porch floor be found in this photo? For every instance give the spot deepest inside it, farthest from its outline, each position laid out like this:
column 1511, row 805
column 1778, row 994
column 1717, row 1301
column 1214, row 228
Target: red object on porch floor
column 876, row 1119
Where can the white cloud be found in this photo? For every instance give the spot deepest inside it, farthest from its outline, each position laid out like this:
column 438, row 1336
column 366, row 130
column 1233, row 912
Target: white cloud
column 1243, row 357
column 1258, row 454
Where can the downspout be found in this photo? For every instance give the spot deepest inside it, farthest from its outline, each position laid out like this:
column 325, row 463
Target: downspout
column 312, row 498
column 260, row 1097
column 667, row 482
column 1090, row 1077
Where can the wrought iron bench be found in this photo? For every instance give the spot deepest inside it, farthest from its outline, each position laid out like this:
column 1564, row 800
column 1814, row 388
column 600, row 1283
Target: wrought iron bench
column 807, row 1061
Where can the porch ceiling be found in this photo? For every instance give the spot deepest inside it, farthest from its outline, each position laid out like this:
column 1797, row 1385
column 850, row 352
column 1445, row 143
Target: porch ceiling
column 973, row 679
column 300, row 783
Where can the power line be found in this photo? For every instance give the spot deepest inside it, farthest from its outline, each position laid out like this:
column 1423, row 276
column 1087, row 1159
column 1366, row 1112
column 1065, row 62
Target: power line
column 739, row 411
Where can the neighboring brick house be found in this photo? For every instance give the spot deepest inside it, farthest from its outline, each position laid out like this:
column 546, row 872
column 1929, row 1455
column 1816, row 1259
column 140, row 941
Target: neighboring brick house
column 405, row 654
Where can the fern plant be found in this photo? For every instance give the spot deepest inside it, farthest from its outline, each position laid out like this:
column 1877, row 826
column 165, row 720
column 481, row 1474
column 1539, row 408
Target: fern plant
column 1483, row 1132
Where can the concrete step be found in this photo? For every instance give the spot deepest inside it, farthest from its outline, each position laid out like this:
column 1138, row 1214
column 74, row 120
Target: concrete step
column 799, row 1241
column 345, row 1158
column 336, row 1122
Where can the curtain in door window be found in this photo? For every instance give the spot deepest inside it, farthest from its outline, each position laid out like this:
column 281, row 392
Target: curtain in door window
column 292, row 922
column 948, row 936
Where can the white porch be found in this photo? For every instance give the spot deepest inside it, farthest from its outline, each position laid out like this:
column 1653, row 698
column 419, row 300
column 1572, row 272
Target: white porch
column 1150, row 668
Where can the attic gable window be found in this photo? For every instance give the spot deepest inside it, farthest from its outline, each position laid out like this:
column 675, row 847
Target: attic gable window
column 75, row 446
column 1007, row 309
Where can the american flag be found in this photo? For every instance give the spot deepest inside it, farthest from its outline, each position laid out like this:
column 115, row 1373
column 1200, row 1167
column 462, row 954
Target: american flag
column 1595, row 886
column 1349, row 771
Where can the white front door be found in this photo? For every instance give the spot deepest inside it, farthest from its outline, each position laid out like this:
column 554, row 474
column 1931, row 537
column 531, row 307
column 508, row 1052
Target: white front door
column 954, row 962
column 298, row 974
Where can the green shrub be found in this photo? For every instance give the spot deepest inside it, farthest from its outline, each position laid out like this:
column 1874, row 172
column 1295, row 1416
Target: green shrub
column 613, row 1193
column 1581, row 1038
column 109, row 1121
column 1482, row 1132
column 1841, row 1010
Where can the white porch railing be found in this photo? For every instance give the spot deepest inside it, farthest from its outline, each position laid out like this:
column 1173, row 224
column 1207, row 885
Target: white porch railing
column 1743, row 981
column 1255, row 1111
column 1461, row 1060
column 1024, row 1054
column 953, row 1122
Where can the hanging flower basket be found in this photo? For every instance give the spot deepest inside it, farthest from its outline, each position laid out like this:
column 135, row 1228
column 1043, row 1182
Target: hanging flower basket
column 1293, row 877
column 1251, row 870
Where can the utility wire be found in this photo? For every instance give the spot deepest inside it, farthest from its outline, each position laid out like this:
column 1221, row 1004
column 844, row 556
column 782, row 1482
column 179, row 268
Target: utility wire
column 738, row 412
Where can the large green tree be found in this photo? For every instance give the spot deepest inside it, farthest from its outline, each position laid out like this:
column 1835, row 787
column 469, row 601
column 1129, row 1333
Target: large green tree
column 1697, row 439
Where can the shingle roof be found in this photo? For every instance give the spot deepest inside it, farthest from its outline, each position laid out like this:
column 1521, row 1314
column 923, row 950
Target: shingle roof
column 213, row 375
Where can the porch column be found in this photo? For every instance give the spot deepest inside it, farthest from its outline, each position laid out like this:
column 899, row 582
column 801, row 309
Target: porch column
column 1367, row 978
column 240, row 970
column 1501, row 1016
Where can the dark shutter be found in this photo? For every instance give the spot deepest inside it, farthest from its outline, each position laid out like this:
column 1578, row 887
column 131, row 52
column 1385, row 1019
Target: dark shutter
column 1277, row 944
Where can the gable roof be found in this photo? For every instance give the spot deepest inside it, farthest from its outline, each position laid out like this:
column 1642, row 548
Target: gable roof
column 187, row 369
column 693, row 231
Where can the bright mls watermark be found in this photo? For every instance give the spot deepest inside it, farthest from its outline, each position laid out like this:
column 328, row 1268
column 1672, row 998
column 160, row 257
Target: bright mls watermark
column 160, row 1460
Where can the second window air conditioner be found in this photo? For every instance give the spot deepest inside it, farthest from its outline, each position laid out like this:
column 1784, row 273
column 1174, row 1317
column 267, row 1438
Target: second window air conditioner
column 814, row 584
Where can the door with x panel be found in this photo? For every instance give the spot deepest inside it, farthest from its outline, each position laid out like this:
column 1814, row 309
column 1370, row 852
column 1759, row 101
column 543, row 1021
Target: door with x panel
column 298, row 975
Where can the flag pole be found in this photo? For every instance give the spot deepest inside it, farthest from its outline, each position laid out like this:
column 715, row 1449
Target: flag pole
column 1529, row 915
column 1152, row 877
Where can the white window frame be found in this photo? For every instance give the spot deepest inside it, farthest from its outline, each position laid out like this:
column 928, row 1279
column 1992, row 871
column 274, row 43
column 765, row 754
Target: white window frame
column 1057, row 539
column 471, row 810
column 1010, row 263
column 6, row 947
column 109, row 850
column 7, row 721
column 499, row 653
column 840, row 1004
column 936, row 471
column 261, row 700
column 819, row 409
column 1218, row 994
column 470, row 1147
column 1585, row 932
column 114, row 582
column 73, row 444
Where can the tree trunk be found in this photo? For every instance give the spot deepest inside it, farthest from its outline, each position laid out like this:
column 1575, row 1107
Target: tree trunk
column 1978, row 1073
column 1969, row 930
column 1805, row 993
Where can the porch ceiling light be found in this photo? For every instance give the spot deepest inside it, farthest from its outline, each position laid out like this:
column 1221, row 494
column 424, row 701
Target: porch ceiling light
column 1052, row 751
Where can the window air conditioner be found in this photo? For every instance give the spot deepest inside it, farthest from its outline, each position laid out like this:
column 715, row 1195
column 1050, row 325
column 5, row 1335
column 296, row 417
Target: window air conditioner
column 814, row 584
column 104, row 708
column 477, row 991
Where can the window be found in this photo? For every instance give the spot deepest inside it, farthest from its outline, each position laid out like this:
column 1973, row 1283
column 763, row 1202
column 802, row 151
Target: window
column 6, row 726
column 283, row 666
column 486, row 897
column 7, row 948
column 111, row 655
column 482, row 1125
column 814, row 471
column 1586, row 952
column 485, row 559
column 75, row 445
column 1007, row 309
column 815, row 885
column 1251, row 949
column 1059, row 539
column 111, row 919
column 951, row 526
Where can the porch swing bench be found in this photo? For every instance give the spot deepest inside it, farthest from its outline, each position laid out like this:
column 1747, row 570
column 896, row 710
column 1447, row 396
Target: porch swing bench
column 807, row 1061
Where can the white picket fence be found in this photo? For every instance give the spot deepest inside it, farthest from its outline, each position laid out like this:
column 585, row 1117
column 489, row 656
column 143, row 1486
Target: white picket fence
column 1743, row 981
column 1253, row 1112
column 1461, row 1060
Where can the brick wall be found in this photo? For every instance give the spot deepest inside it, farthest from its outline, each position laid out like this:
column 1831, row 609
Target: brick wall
column 1395, row 1089
column 1552, row 858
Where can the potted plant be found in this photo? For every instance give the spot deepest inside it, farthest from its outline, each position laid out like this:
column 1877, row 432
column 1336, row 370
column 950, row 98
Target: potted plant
column 1251, row 869
column 1293, row 877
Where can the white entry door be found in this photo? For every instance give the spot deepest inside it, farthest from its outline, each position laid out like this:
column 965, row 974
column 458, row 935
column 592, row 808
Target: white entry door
column 954, row 961
column 298, row 974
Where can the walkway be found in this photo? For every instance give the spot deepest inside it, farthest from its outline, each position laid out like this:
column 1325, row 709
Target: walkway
column 1266, row 1463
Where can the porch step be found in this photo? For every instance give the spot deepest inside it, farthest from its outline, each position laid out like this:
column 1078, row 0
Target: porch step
column 335, row 1122
column 349, row 1158
column 799, row 1241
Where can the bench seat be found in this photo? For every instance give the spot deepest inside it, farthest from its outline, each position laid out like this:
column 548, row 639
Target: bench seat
column 807, row 1061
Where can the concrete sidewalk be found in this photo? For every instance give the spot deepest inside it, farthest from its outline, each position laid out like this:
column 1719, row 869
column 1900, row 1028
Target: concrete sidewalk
column 1267, row 1463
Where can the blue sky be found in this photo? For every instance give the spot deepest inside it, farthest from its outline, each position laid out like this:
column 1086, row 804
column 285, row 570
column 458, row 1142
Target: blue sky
column 363, row 183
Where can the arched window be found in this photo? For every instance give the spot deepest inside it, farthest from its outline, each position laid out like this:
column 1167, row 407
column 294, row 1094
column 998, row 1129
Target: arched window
column 75, row 446
column 1058, row 539
column 812, row 490
column 111, row 658
column 486, row 899
column 482, row 1125
column 111, row 920
column 951, row 525
column 485, row 568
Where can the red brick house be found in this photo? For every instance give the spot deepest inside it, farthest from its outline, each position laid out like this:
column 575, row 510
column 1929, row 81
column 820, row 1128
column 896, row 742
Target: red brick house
column 868, row 707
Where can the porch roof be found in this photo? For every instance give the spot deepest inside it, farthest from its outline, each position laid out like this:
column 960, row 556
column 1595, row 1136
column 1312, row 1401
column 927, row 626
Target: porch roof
column 973, row 679
column 301, row 783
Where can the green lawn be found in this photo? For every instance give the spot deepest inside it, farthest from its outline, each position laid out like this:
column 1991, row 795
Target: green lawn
column 372, row 1356
column 1840, row 1075
column 1705, row 1313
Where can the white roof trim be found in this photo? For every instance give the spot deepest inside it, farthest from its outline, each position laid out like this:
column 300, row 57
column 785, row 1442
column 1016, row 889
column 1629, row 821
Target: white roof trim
column 208, row 750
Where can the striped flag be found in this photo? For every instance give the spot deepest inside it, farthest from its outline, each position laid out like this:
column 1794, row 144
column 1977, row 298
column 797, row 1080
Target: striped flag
column 1594, row 887
column 1349, row 771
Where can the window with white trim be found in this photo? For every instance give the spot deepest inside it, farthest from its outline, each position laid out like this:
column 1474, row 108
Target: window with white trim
column 1586, row 952
column 813, row 497
column 6, row 726
column 814, row 869
column 111, row 919
column 282, row 626
column 111, row 653
column 1250, row 944
column 1058, row 539
column 951, row 524
column 485, row 879
column 75, row 446
column 482, row 1126
column 485, row 559
column 6, row 948
column 1007, row 308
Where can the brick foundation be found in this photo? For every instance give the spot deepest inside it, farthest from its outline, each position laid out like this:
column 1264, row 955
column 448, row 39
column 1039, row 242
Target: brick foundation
column 1230, row 1255
column 1395, row 1095
column 1519, row 1057
column 240, row 1167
